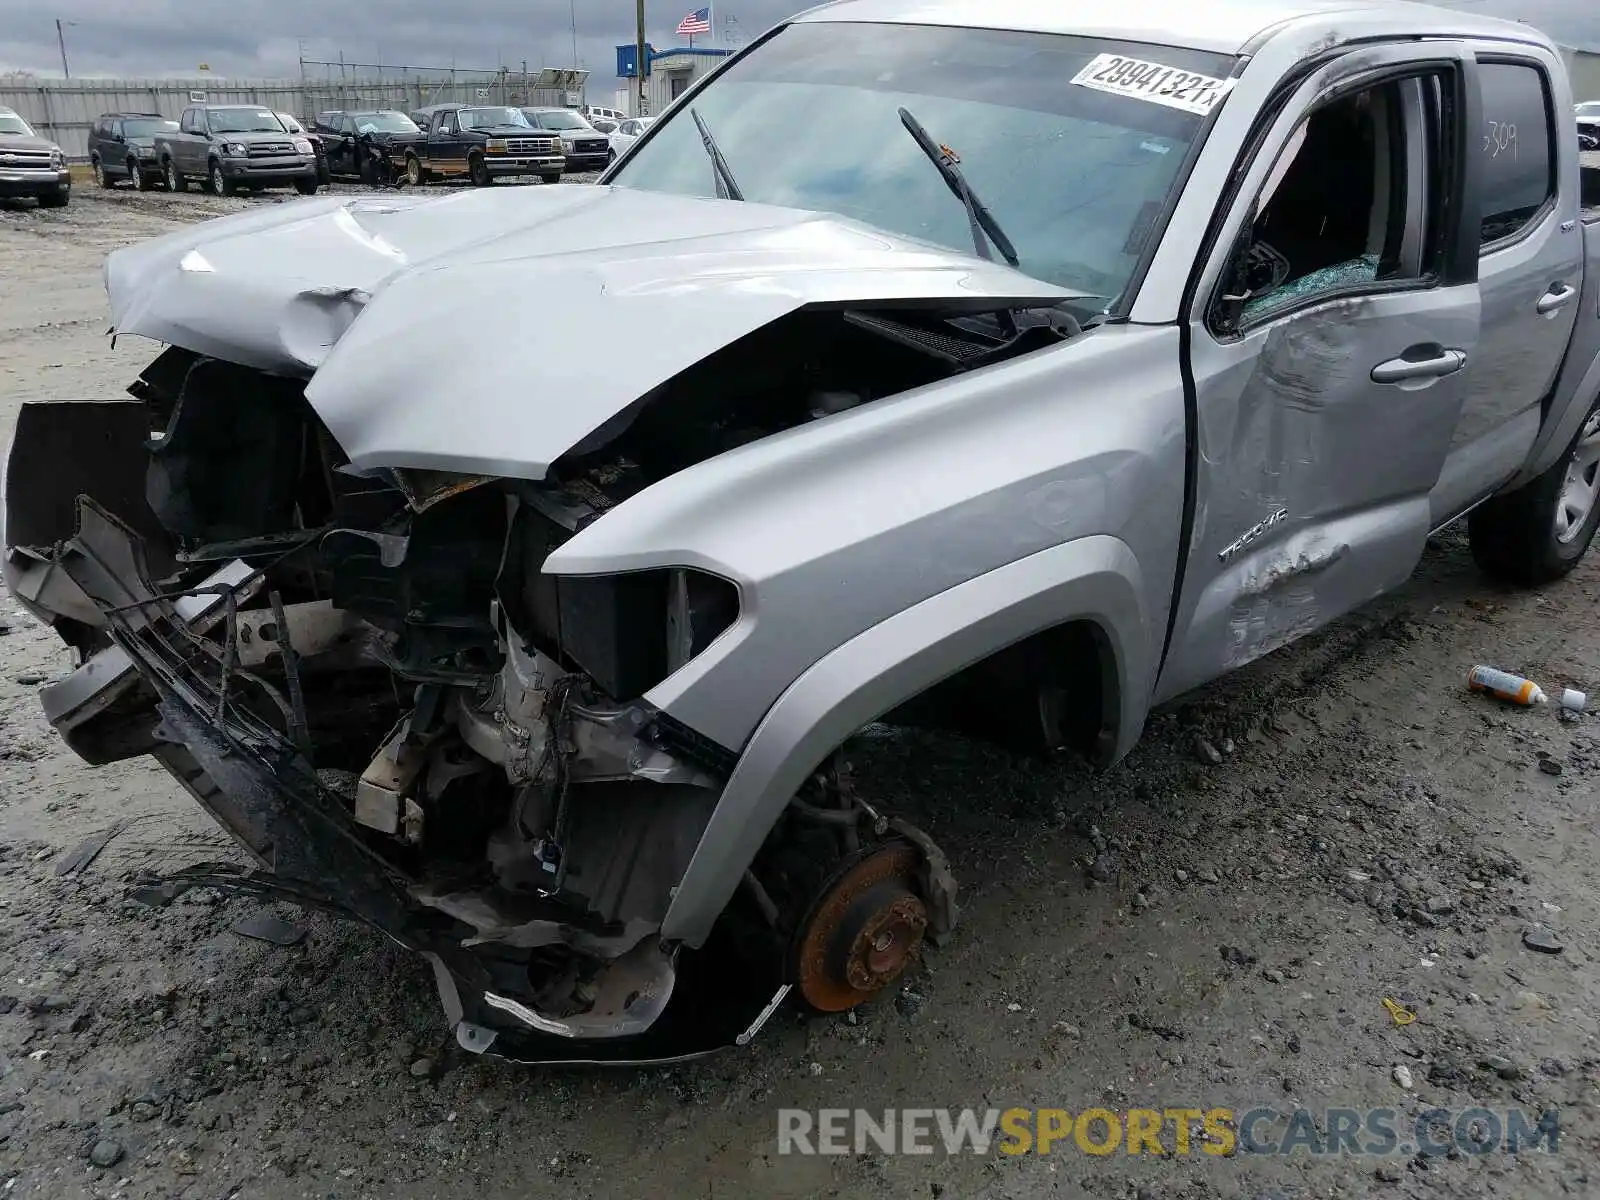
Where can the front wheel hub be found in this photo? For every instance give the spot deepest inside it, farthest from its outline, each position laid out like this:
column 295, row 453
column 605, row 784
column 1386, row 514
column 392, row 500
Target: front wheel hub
column 864, row 929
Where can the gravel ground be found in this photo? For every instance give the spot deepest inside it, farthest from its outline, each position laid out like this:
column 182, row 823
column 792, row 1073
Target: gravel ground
column 1207, row 925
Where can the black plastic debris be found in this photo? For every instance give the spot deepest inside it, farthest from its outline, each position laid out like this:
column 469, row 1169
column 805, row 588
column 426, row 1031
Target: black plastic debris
column 86, row 851
column 264, row 927
column 1543, row 941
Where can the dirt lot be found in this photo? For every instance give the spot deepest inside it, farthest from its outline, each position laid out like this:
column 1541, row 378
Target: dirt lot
column 1371, row 832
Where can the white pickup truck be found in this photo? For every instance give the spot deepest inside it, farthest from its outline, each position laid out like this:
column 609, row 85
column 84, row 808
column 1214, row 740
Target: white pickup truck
column 1007, row 366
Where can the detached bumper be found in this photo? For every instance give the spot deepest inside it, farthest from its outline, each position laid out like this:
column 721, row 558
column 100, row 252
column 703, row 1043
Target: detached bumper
column 17, row 182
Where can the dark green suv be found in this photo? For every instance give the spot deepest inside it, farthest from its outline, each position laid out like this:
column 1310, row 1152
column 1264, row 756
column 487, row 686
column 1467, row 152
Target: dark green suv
column 122, row 146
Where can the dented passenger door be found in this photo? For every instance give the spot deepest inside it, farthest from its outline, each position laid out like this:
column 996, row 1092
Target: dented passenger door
column 1329, row 343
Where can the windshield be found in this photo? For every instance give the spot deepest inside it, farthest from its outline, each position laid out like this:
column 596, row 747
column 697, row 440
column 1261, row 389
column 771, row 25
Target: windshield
column 243, row 120
column 1077, row 176
column 11, row 123
column 148, row 127
column 385, row 122
column 1590, row 108
column 559, row 120
column 488, row 118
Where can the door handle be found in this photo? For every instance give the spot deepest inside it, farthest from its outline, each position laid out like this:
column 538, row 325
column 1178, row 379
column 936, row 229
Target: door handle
column 1404, row 369
column 1558, row 295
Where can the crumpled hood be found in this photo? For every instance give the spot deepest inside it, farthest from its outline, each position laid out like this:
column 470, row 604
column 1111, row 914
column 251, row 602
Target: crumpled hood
column 489, row 331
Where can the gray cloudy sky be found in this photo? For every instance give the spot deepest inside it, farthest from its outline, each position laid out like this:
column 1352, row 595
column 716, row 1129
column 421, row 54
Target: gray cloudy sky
column 261, row 38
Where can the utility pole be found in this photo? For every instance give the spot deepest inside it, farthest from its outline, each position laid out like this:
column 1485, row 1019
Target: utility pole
column 61, row 40
column 643, row 104
column 572, row 7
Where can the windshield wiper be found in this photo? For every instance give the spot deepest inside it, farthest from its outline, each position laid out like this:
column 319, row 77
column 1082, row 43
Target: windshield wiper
column 727, row 189
column 985, row 228
column 978, row 214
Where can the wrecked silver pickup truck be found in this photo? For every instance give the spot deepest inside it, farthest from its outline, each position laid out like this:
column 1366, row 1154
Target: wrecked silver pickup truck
column 1006, row 409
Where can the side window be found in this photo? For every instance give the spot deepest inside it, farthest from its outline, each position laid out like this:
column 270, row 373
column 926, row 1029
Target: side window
column 347, row 125
column 1345, row 206
column 191, row 120
column 1511, row 153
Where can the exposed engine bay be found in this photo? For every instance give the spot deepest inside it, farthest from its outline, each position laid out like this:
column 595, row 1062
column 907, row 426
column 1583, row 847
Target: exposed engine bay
column 367, row 678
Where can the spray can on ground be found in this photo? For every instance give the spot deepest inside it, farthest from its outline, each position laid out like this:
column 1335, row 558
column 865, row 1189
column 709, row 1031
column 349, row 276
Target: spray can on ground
column 1505, row 686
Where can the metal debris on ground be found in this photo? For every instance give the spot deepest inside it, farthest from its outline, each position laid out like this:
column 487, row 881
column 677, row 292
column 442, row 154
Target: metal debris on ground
column 86, row 851
column 264, row 927
column 1401, row 1014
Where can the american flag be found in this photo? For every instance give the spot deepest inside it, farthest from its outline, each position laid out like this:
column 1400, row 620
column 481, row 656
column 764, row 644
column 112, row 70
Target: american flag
column 699, row 21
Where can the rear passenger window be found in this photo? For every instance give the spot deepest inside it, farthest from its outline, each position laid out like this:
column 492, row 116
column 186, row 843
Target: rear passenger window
column 1512, row 149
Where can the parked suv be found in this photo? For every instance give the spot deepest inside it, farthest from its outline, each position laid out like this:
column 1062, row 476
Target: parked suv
column 1588, row 114
column 585, row 147
column 31, row 165
column 482, row 142
column 123, row 146
column 233, row 146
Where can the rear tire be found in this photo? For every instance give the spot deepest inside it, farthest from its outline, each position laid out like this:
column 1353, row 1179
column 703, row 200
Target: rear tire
column 1541, row 531
column 175, row 180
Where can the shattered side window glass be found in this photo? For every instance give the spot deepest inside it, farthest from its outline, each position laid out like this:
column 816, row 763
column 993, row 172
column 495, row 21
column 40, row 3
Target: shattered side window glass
column 1326, row 279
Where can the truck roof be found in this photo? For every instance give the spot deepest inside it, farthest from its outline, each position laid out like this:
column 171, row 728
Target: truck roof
column 1220, row 26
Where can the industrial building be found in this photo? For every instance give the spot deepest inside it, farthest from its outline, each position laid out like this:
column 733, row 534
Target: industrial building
column 668, row 73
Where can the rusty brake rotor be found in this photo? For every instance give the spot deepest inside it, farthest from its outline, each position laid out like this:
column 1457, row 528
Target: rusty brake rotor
column 863, row 929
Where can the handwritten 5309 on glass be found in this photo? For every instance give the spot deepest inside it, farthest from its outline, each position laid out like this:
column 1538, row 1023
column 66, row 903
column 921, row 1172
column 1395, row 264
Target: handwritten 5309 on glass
column 1153, row 81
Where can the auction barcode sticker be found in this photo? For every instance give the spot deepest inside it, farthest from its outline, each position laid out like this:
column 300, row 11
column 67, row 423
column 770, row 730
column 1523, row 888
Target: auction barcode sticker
column 1155, row 82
